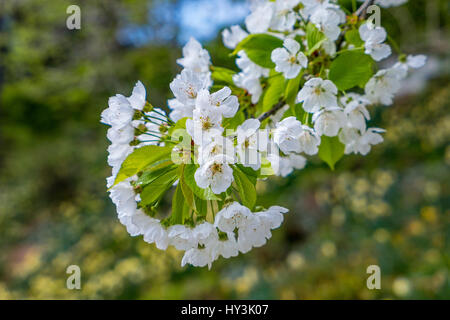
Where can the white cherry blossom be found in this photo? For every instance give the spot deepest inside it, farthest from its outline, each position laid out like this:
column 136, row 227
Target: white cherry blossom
column 273, row 216
column 152, row 230
column 328, row 122
column 231, row 217
column 216, row 173
column 231, row 37
column 219, row 145
column 411, row 62
column 362, row 143
column 121, row 136
column 226, row 248
column 137, row 98
column 205, row 234
column 251, row 84
column 195, row 57
column 356, row 110
column 382, row 87
column 289, row 60
column 118, row 153
column 253, row 234
column 119, row 113
column 284, row 17
column 316, row 94
column 198, row 257
column 204, row 125
column 373, row 38
column 186, row 87
column 285, row 165
column 250, row 141
column 250, row 68
column 286, row 135
column 260, row 18
column 181, row 237
column 313, row 6
column 180, row 110
column 220, row 101
column 309, row 141
column 328, row 21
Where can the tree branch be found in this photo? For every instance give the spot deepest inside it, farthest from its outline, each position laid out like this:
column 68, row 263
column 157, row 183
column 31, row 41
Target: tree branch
column 272, row 111
column 361, row 12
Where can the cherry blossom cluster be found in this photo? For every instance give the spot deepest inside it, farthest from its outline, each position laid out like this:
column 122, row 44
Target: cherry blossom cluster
column 235, row 228
column 241, row 127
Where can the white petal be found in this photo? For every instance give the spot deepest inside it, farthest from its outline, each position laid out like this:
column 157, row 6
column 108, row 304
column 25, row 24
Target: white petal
column 292, row 46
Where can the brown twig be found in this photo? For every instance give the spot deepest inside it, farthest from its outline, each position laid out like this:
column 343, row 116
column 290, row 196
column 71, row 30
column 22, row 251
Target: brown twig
column 360, row 13
column 362, row 10
column 272, row 111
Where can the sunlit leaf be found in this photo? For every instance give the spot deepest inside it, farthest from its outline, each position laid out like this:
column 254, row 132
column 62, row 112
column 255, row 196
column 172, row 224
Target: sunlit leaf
column 331, row 150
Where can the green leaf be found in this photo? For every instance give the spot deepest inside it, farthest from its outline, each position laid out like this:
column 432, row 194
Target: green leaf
column 274, row 92
column 351, row 69
column 251, row 174
column 314, row 38
column 187, row 192
column 266, row 168
column 292, row 89
column 180, row 125
column 223, row 75
column 156, row 189
column 140, row 159
column 246, row 189
column 259, row 47
column 237, row 120
column 205, row 194
column 331, row 150
column 201, row 206
column 177, row 206
column 352, row 37
column 150, row 175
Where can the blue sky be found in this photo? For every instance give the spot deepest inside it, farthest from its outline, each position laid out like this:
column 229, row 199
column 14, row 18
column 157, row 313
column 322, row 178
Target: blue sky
column 201, row 19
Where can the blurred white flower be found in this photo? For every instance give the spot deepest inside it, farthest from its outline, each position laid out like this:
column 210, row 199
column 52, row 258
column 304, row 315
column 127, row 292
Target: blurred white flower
column 231, row 37
column 362, row 143
column 382, row 87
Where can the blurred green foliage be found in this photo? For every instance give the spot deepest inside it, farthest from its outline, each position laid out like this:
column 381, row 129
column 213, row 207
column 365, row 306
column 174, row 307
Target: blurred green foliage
column 390, row 208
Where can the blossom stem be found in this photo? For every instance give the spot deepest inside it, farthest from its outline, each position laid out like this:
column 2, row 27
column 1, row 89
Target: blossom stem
column 153, row 135
column 155, row 118
column 352, row 49
column 302, row 18
column 151, row 141
column 152, row 131
column 394, row 44
column 161, row 114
